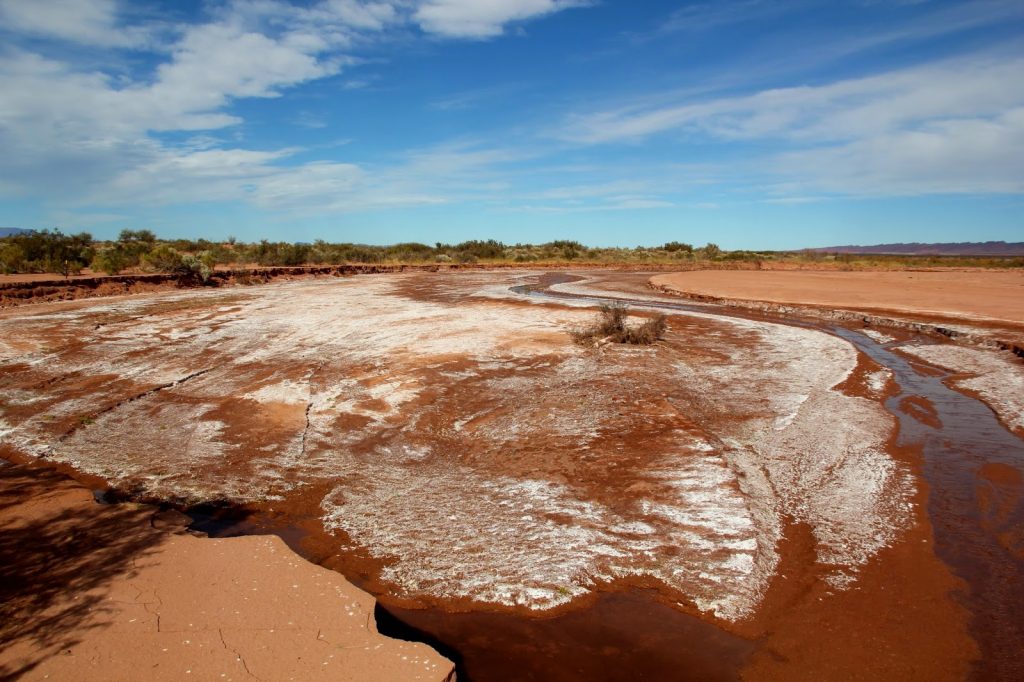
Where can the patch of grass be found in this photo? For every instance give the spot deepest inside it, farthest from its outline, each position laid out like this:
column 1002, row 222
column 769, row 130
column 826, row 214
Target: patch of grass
column 611, row 327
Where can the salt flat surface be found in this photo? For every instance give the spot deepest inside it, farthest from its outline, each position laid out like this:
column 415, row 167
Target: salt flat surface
column 464, row 440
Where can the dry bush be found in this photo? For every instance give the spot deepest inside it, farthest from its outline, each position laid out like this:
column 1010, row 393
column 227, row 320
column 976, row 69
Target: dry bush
column 647, row 333
column 611, row 327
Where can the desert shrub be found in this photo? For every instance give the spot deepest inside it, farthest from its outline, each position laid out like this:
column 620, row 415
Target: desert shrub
column 46, row 251
column 611, row 326
column 188, row 267
column 197, row 267
column 710, row 251
column 133, row 245
column 480, row 250
column 111, row 261
column 408, row 252
column 648, row 332
column 677, row 246
column 12, row 257
column 163, row 258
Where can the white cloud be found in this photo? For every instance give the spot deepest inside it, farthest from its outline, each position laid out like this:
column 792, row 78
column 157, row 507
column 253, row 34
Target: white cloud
column 89, row 22
column 482, row 18
column 214, row 63
column 96, row 137
column 625, row 203
column 953, row 126
column 956, row 155
column 707, row 16
column 590, row 191
column 79, row 133
column 274, row 181
column 966, row 87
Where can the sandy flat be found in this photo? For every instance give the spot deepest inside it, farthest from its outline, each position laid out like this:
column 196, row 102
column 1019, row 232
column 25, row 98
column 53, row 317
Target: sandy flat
column 976, row 295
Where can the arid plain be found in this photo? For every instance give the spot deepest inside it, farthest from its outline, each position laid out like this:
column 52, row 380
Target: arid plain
column 764, row 493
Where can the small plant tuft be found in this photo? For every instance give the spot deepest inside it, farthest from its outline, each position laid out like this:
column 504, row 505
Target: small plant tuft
column 611, row 327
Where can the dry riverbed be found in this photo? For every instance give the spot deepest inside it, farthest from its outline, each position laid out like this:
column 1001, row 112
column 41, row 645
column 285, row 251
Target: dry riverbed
column 448, row 446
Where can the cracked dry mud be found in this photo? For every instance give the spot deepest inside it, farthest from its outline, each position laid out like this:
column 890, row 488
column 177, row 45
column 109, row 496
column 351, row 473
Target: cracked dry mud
column 459, row 453
column 111, row 596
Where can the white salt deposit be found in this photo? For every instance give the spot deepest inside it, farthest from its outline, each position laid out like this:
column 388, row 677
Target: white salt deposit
column 822, row 452
column 878, row 380
column 533, row 543
column 998, row 376
column 287, row 392
column 877, row 336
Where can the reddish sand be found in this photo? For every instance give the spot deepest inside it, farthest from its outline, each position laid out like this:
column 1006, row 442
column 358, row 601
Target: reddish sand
column 94, row 592
column 996, row 295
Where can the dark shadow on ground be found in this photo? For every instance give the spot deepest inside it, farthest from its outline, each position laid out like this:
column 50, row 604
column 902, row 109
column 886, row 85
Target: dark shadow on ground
column 54, row 543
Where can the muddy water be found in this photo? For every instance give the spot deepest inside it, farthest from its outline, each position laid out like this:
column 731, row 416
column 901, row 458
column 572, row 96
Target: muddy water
column 620, row 636
column 974, row 467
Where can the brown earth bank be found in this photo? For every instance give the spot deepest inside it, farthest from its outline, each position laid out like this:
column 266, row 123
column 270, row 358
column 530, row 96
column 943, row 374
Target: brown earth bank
column 733, row 501
column 102, row 592
column 21, row 289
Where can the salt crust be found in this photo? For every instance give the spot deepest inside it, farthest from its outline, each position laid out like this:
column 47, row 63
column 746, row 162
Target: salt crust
column 534, row 543
column 877, row 381
column 822, row 456
column 877, row 336
column 709, row 524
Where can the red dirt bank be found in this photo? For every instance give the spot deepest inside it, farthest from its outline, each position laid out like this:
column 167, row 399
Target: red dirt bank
column 97, row 592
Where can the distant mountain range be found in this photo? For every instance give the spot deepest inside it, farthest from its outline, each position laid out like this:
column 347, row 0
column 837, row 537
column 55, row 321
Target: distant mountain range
column 918, row 249
column 8, row 231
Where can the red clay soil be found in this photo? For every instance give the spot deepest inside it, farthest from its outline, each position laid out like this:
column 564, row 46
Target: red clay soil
column 100, row 592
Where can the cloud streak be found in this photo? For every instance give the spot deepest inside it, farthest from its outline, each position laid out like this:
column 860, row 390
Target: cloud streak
column 480, row 19
column 953, row 126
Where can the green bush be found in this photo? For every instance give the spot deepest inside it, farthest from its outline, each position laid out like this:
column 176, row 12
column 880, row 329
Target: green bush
column 12, row 257
column 46, row 251
column 163, row 258
column 110, row 260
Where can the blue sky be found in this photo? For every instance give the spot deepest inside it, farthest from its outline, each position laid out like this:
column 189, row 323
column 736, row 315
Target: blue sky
column 748, row 123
